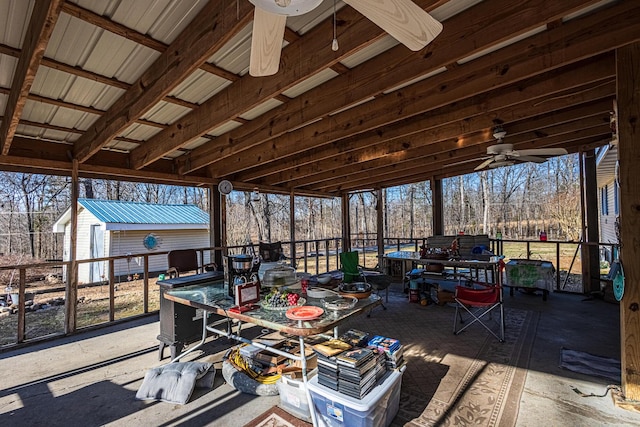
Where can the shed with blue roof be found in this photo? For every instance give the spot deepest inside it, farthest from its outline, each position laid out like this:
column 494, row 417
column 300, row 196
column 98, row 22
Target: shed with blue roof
column 112, row 228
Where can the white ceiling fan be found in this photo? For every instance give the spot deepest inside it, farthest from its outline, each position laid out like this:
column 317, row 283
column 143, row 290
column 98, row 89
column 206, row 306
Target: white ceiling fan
column 402, row 19
column 502, row 154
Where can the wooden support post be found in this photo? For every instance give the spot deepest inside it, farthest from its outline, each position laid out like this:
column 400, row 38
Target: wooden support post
column 590, row 253
column 112, row 290
column 437, row 207
column 145, row 291
column 346, row 223
column 292, row 228
column 71, row 291
column 380, row 223
column 21, row 305
column 215, row 224
column 628, row 98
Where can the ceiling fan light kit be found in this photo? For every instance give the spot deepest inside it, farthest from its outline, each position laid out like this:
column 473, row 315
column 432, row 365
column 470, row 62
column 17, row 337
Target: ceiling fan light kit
column 402, row 19
column 502, row 154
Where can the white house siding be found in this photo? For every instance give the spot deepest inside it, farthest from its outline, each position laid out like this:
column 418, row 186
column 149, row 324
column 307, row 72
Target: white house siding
column 83, row 245
column 608, row 220
column 131, row 241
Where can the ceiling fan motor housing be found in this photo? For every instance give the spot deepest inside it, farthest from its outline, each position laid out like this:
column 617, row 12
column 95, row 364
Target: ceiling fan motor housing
column 499, row 149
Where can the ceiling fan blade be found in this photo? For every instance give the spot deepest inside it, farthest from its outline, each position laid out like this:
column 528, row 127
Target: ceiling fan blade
column 484, row 164
column 266, row 42
column 402, row 19
column 543, row 152
column 534, row 159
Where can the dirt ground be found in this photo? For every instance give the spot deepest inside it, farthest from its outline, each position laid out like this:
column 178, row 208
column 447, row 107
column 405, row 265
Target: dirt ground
column 46, row 315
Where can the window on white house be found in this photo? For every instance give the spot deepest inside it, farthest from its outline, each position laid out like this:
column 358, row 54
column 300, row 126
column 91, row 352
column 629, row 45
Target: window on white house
column 616, row 198
column 604, row 200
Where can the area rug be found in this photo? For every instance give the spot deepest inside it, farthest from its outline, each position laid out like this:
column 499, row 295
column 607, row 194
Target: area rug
column 276, row 417
column 483, row 390
column 590, row 364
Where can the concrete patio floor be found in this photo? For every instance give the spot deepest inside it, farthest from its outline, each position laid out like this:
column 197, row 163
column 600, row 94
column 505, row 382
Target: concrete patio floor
column 91, row 379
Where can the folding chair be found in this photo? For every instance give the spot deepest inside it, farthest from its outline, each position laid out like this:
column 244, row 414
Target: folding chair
column 479, row 302
column 349, row 266
column 352, row 271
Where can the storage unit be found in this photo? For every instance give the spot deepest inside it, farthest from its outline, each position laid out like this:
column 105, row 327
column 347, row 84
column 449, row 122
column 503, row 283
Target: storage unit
column 293, row 396
column 530, row 274
column 181, row 324
column 378, row 408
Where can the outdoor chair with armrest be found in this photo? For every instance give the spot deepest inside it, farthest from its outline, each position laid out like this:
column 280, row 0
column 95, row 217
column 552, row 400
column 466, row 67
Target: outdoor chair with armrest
column 184, row 260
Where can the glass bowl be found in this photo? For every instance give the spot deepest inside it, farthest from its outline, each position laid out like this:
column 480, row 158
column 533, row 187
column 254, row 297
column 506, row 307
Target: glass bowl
column 337, row 302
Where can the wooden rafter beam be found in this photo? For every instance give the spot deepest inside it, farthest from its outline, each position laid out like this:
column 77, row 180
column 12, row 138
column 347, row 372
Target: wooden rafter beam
column 385, row 71
column 126, row 32
column 43, row 19
column 432, row 165
column 234, row 99
column 211, row 29
column 546, row 51
column 557, row 89
column 433, row 142
column 470, row 147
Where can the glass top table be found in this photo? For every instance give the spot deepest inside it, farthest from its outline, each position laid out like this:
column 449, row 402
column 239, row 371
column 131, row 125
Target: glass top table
column 213, row 297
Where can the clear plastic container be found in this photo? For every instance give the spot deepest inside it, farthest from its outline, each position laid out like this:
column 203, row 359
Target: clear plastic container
column 376, row 409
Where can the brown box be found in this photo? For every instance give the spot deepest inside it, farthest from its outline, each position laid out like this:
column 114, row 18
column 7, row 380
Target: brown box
column 312, row 359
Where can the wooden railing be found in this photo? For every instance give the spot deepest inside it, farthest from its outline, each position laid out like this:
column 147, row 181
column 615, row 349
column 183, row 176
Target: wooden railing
column 313, row 256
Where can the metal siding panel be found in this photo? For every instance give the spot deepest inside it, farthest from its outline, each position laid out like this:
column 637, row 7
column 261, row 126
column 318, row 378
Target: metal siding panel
column 259, row 110
column 164, row 112
column 224, row 128
column 308, row 84
column 140, row 132
column 72, row 40
column 234, row 55
column 8, row 66
column 14, row 19
column 383, row 44
column 199, row 86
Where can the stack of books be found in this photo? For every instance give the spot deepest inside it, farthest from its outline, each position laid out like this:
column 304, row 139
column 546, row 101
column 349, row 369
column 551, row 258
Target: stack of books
column 391, row 348
column 326, row 353
column 357, row 371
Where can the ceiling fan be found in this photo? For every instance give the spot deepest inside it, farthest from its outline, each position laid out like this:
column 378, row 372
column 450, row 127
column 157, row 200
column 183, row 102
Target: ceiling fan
column 402, row 19
column 502, row 154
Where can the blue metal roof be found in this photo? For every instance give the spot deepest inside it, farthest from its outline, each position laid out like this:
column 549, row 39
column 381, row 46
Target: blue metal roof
column 114, row 211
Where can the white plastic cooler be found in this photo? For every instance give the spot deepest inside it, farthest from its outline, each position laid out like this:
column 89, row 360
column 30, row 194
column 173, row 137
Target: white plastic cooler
column 376, row 409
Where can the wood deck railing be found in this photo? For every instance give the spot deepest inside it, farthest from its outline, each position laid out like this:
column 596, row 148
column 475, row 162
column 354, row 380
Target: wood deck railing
column 313, row 256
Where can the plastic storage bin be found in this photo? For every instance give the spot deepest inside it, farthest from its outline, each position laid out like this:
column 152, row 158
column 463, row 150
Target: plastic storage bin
column 376, row 409
column 293, row 397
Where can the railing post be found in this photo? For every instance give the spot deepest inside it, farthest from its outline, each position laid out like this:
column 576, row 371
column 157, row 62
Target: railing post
column 21, row 307
column 112, row 291
column 145, row 290
column 557, row 266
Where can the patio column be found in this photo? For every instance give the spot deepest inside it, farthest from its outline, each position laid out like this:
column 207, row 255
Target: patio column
column 590, row 250
column 71, row 289
column 380, row 223
column 215, row 223
column 346, row 224
column 437, row 207
column 292, row 228
column 628, row 98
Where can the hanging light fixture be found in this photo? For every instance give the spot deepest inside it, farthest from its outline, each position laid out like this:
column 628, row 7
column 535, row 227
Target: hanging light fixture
column 334, row 43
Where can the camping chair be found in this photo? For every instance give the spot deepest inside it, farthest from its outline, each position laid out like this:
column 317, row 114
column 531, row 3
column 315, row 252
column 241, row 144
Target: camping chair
column 183, row 260
column 352, row 271
column 271, row 252
column 479, row 303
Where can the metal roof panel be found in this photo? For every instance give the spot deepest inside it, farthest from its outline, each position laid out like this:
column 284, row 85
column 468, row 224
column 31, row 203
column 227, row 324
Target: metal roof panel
column 114, row 211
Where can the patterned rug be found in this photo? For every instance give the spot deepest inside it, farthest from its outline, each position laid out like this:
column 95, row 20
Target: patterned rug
column 483, row 390
column 276, row 417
